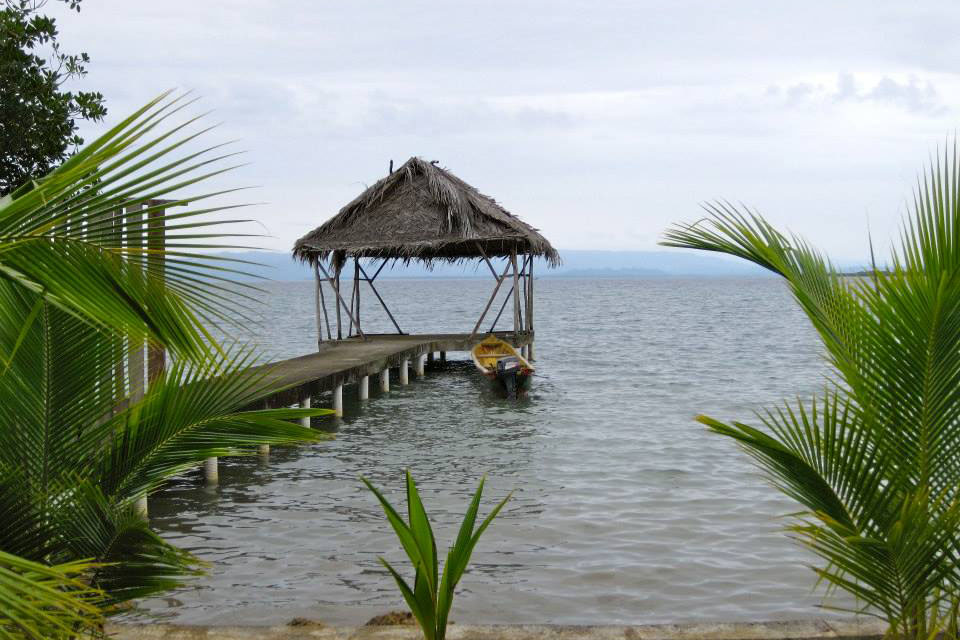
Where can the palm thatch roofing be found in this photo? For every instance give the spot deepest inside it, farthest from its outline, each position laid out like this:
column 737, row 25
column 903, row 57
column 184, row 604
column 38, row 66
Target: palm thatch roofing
column 425, row 213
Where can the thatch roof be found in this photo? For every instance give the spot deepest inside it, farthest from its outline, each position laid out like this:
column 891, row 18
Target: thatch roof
column 422, row 212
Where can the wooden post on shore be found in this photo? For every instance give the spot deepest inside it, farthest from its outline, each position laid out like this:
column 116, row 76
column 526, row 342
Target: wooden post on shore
column 363, row 389
column 385, row 380
column 404, row 373
column 156, row 242
column 137, row 354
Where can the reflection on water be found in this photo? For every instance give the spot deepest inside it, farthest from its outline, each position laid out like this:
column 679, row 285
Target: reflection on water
column 624, row 509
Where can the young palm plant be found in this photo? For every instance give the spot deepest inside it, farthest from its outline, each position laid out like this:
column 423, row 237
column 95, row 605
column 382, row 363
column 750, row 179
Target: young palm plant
column 431, row 597
column 46, row 602
column 874, row 459
column 78, row 447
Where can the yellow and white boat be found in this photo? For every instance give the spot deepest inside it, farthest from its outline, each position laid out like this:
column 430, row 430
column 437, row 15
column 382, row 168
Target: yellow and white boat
column 501, row 363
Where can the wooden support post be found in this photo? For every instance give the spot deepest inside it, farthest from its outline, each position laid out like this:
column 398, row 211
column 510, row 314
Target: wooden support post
column 487, row 260
column 493, row 325
column 210, row 471
column 140, row 506
column 335, row 284
column 524, row 291
column 493, row 297
column 385, row 380
column 113, row 237
column 356, row 289
column 338, row 401
column 156, row 243
column 353, row 298
column 340, row 299
column 135, row 361
column 516, row 295
column 321, row 307
column 379, row 298
column 404, row 372
column 363, row 389
column 530, row 310
column 419, row 364
column 529, row 293
column 305, row 404
column 137, row 356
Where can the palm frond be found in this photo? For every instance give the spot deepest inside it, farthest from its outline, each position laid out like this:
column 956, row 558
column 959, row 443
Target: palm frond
column 104, row 253
column 875, row 461
column 75, row 236
column 43, row 602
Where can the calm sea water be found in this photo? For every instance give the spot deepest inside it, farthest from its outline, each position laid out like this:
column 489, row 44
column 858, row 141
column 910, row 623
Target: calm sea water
column 625, row 510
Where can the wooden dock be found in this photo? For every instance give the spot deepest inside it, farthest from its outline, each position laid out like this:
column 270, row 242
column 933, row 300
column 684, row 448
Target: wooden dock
column 354, row 360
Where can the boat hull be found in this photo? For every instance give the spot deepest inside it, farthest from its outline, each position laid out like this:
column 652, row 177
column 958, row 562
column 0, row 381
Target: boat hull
column 503, row 365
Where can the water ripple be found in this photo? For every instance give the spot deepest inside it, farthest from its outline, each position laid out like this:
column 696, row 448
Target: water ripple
column 624, row 511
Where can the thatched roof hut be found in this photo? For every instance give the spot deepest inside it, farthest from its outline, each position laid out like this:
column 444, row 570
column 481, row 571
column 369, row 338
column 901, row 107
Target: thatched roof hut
column 422, row 212
column 425, row 213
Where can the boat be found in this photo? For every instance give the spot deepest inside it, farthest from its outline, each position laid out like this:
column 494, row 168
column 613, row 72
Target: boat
column 501, row 363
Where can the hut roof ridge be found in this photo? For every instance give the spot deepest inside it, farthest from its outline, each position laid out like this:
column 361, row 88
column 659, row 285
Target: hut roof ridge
column 422, row 212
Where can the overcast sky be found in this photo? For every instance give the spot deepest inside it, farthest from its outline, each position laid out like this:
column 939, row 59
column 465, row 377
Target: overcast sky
column 598, row 122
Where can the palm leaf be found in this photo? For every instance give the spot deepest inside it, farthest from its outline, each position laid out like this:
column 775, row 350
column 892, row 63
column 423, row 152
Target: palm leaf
column 84, row 281
column 875, row 461
column 43, row 602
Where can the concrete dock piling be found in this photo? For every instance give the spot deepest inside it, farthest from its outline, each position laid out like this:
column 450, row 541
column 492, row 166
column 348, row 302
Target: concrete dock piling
column 419, row 363
column 338, row 401
column 305, row 404
column 356, row 361
column 443, row 357
column 263, row 450
column 211, row 473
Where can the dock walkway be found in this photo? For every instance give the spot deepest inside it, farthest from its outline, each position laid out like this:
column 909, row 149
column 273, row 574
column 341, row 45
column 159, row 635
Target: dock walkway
column 348, row 361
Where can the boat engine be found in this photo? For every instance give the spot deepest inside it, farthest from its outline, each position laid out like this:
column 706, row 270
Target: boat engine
column 507, row 370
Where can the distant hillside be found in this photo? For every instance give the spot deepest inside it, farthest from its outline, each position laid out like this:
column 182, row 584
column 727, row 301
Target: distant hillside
column 576, row 263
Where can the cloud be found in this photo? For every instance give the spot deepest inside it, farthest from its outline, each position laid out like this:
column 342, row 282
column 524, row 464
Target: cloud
column 625, row 114
column 911, row 95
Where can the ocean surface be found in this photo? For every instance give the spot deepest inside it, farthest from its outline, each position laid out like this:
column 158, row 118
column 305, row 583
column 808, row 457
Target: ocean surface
column 625, row 510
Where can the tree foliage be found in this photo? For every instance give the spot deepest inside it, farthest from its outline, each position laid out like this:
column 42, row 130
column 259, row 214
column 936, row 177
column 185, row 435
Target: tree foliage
column 79, row 291
column 38, row 116
column 875, row 458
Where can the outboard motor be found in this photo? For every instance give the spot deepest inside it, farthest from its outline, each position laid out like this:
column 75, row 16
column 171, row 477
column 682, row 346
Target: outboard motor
column 507, row 370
